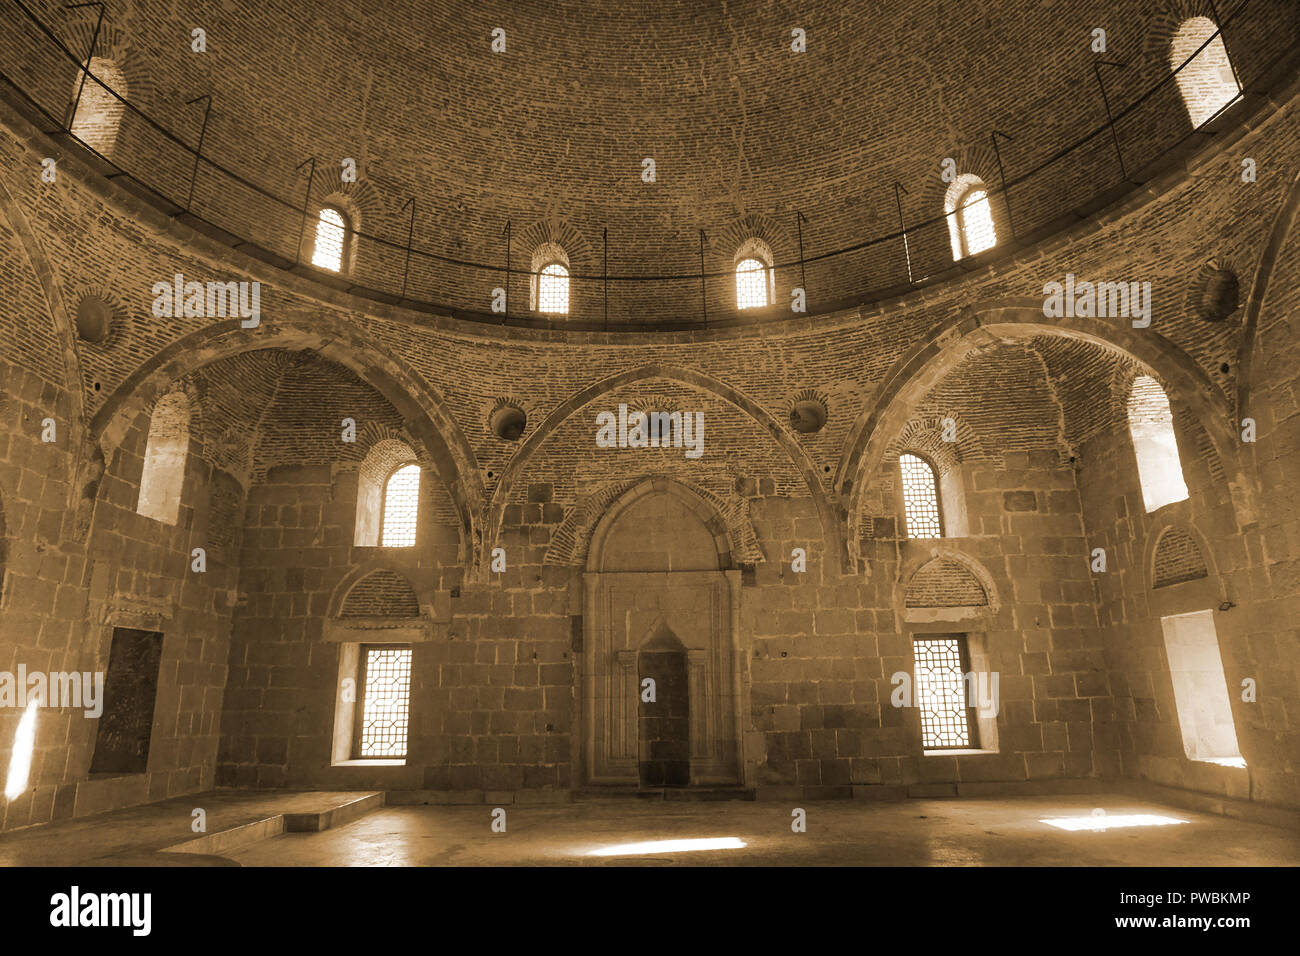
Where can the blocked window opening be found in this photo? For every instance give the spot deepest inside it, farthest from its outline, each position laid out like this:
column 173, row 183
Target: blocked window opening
column 920, row 497
column 1151, row 425
column 970, row 217
column 1201, row 689
column 163, row 476
column 331, row 239
column 98, row 115
column 401, row 506
column 130, row 693
column 383, row 718
column 941, row 693
column 1204, row 74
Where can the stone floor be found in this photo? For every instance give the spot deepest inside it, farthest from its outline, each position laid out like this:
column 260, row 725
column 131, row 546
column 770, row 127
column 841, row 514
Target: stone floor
column 966, row 832
column 138, row 836
column 958, row 832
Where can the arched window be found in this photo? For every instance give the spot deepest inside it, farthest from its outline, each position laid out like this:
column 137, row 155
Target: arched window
column 98, row 112
column 401, row 505
column 1208, row 82
column 332, row 231
column 920, row 497
column 164, row 459
column 1151, row 425
column 755, row 281
column 553, row 289
column 548, row 286
column 970, row 217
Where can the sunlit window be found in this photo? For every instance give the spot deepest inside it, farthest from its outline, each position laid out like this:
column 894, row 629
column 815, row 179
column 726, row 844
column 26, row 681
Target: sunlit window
column 386, row 680
column 970, row 217
column 1201, row 689
column 751, row 284
column 920, row 498
column 401, row 505
column 163, row 476
column 1207, row 83
column 553, row 289
column 1151, row 425
column 941, row 693
column 331, row 234
column 98, row 112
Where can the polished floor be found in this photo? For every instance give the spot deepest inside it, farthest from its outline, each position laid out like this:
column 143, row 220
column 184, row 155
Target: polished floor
column 967, row 832
column 1006, row 831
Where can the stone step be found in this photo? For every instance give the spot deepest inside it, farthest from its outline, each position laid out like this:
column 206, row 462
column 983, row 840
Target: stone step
column 311, row 821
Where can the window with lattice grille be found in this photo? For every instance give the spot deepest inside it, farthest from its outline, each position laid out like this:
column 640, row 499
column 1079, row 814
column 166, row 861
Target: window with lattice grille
column 331, row 234
column 385, row 702
column 553, row 289
column 401, row 505
column 920, row 498
column 970, row 217
column 751, row 284
column 941, row 693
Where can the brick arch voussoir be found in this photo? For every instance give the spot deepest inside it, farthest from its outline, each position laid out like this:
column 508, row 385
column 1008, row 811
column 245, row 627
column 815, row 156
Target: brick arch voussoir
column 425, row 415
column 947, row 344
column 831, row 530
column 47, row 276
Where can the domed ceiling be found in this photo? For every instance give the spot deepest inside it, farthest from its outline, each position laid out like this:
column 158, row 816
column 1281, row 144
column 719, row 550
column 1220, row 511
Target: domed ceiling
column 552, row 133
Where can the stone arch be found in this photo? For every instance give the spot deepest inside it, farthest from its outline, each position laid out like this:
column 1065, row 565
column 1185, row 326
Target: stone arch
column 570, row 542
column 435, row 433
column 1176, row 558
column 1283, row 225
column 779, row 432
column 381, row 593
column 947, row 567
column 709, row 517
column 926, row 363
column 64, row 333
column 386, row 584
column 1176, row 552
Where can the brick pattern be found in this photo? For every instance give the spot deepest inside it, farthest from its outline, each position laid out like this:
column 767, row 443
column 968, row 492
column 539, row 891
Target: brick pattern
column 247, row 685
column 944, row 583
column 381, row 593
column 1177, row 559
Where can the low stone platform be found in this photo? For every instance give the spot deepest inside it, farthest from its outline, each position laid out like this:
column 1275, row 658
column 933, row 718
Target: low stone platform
column 161, row 834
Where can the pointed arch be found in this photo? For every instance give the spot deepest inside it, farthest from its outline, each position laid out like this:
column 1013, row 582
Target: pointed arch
column 799, row 457
column 64, row 333
column 723, row 539
column 935, row 354
column 431, row 425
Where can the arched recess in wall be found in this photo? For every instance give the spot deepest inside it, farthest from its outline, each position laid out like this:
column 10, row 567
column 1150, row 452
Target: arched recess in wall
column 570, row 542
column 573, row 405
column 926, row 363
column 1179, row 568
column 435, row 434
column 375, row 603
column 711, row 519
column 945, row 584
